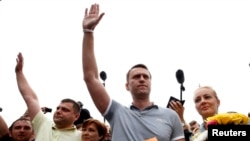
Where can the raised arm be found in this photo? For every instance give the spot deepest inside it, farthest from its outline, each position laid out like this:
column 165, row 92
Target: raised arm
column 26, row 91
column 4, row 130
column 90, row 70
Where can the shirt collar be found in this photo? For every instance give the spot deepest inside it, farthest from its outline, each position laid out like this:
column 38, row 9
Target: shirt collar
column 70, row 128
column 132, row 107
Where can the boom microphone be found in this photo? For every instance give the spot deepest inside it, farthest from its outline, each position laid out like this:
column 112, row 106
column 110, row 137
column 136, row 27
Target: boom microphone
column 103, row 75
column 180, row 76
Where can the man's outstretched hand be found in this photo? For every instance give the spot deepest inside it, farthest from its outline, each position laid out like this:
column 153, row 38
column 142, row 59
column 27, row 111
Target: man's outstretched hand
column 19, row 61
column 91, row 17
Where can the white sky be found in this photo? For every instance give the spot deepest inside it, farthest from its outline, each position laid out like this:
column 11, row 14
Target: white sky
column 208, row 40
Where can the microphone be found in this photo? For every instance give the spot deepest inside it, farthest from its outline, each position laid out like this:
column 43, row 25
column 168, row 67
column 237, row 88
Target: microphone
column 180, row 76
column 103, row 75
column 1, row 109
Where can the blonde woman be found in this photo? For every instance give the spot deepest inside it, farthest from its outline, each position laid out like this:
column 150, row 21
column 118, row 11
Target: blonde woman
column 206, row 103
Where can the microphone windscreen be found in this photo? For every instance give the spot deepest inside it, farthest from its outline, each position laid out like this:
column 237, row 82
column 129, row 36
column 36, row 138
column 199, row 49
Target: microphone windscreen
column 180, row 76
column 103, row 75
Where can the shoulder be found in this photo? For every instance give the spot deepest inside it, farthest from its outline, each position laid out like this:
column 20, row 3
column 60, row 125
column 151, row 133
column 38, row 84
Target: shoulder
column 6, row 138
column 38, row 116
column 167, row 110
column 78, row 132
column 114, row 103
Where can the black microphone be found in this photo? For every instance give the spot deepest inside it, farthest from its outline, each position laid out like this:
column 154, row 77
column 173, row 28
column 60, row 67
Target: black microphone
column 1, row 109
column 103, row 75
column 180, row 76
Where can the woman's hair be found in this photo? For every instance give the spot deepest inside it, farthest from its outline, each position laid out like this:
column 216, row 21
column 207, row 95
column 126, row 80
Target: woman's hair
column 210, row 88
column 101, row 127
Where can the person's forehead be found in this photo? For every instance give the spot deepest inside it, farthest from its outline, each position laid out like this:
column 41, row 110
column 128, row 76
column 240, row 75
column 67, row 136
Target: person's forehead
column 139, row 71
column 203, row 91
column 65, row 104
column 90, row 125
column 22, row 123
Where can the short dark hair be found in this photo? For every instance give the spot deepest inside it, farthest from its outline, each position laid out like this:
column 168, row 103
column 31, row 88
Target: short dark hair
column 19, row 119
column 137, row 66
column 76, row 106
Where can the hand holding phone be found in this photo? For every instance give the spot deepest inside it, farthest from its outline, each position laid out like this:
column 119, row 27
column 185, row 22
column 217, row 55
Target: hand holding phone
column 174, row 99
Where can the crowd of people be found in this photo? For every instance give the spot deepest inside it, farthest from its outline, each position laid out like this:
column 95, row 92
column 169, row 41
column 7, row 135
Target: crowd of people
column 142, row 121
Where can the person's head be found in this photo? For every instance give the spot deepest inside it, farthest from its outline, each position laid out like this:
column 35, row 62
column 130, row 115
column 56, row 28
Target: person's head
column 93, row 130
column 206, row 101
column 80, row 104
column 194, row 126
column 66, row 113
column 21, row 130
column 139, row 81
column 108, row 135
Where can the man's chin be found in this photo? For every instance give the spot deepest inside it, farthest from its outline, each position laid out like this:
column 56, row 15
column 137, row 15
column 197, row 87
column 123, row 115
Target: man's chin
column 144, row 92
column 57, row 120
column 20, row 138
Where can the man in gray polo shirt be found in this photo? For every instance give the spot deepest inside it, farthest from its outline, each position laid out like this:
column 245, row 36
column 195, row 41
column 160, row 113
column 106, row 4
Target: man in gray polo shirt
column 143, row 120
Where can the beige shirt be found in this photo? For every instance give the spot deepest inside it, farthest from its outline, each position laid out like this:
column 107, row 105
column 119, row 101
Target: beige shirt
column 45, row 130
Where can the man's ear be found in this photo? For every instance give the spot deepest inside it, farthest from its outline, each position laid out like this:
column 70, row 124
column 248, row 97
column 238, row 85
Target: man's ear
column 77, row 116
column 127, row 87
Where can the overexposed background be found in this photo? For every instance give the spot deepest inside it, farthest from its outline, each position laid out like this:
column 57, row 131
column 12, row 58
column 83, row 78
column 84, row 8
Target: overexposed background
column 208, row 40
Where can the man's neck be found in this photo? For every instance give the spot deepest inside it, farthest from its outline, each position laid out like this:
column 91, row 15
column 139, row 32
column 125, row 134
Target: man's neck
column 64, row 127
column 141, row 105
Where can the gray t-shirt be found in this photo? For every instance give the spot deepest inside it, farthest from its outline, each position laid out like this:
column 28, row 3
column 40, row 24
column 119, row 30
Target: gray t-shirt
column 131, row 124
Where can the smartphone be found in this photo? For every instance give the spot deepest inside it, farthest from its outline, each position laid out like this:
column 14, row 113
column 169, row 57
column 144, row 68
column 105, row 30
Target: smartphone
column 175, row 99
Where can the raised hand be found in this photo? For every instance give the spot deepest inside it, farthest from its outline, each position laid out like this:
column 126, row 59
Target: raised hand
column 178, row 108
column 91, row 17
column 19, row 61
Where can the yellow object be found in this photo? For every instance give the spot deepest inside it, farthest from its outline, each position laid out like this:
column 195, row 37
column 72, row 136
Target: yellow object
column 229, row 118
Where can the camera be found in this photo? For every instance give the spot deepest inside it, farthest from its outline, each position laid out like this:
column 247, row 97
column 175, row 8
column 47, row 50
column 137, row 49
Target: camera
column 48, row 109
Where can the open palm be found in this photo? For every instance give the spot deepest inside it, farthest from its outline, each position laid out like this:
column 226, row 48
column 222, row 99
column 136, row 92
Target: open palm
column 92, row 17
column 19, row 61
